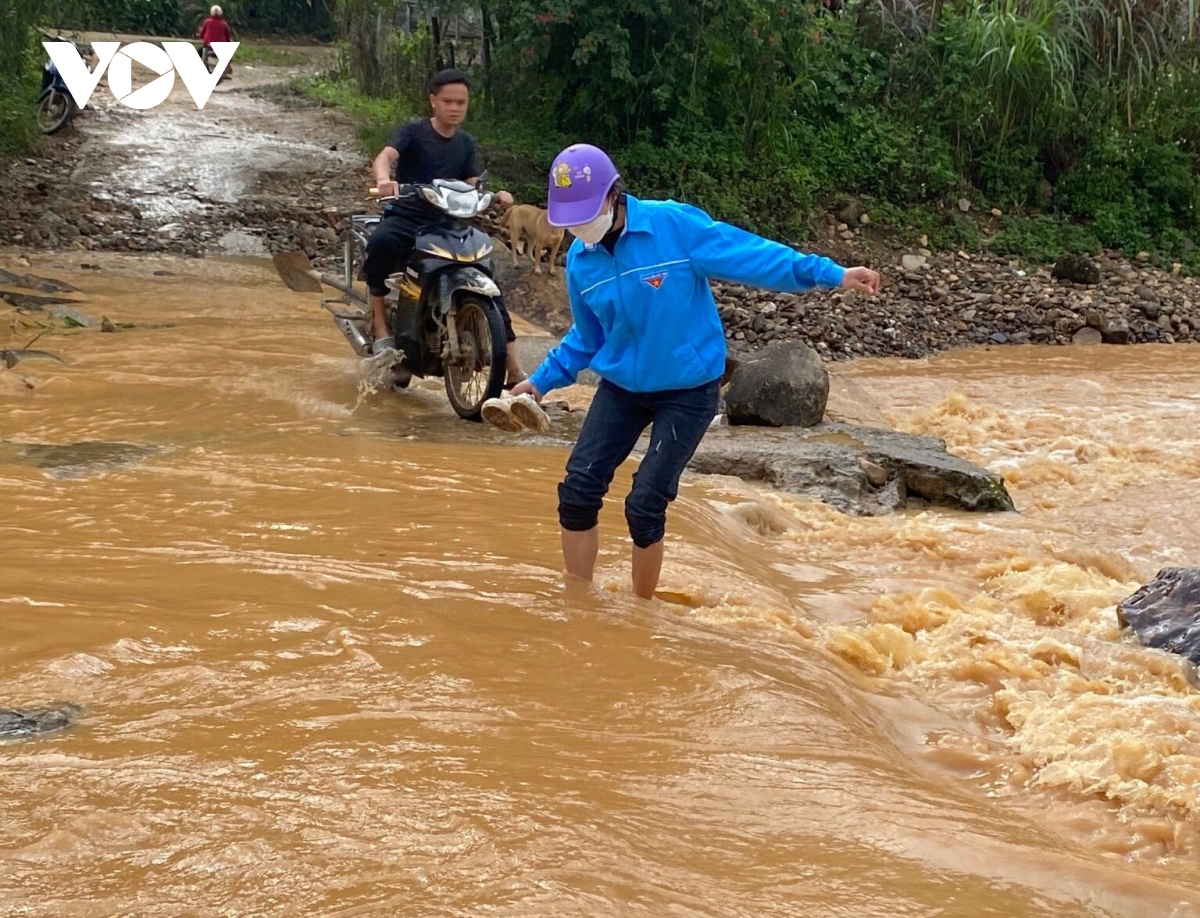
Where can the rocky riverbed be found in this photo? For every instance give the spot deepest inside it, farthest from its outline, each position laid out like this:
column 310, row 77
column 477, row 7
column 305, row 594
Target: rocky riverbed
column 933, row 302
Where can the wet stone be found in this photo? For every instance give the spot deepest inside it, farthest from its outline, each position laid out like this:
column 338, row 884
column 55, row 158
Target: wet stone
column 27, row 723
column 1165, row 613
column 79, row 460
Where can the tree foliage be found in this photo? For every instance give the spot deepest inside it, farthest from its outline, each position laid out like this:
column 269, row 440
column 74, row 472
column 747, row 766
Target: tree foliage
column 1029, row 103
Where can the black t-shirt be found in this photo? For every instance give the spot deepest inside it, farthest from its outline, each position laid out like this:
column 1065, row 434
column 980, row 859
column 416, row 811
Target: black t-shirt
column 426, row 155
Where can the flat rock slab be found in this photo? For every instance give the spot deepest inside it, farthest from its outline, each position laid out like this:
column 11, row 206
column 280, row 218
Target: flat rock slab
column 31, row 302
column 34, row 282
column 863, row 471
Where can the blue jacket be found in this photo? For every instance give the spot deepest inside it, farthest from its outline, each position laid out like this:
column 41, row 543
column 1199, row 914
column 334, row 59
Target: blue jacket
column 645, row 318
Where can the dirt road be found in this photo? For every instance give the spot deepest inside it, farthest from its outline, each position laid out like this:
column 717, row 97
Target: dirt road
column 234, row 177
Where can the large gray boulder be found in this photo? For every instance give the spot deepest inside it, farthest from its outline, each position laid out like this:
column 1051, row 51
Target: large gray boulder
column 863, row 471
column 1165, row 613
column 783, row 385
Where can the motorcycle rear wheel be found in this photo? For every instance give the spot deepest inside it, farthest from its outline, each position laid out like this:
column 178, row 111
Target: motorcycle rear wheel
column 480, row 373
column 55, row 109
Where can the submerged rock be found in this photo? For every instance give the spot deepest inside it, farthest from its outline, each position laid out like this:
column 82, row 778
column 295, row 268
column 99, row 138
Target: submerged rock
column 863, row 471
column 10, row 357
column 1165, row 613
column 16, row 724
column 72, row 317
column 78, row 460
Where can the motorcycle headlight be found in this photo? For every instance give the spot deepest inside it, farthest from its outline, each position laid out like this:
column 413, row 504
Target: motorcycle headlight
column 431, row 196
column 461, row 203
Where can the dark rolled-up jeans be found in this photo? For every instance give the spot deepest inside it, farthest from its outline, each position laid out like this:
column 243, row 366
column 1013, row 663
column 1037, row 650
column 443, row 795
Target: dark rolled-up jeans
column 610, row 431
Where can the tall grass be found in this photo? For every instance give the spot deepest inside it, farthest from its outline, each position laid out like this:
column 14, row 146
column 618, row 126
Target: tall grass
column 1026, row 54
column 19, row 56
column 1041, row 58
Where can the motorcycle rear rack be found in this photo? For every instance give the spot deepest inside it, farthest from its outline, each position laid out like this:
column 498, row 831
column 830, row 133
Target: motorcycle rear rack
column 338, row 314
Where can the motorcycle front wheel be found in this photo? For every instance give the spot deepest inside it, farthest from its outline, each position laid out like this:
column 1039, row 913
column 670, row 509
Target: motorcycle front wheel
column 55, row 109
column 479, row 373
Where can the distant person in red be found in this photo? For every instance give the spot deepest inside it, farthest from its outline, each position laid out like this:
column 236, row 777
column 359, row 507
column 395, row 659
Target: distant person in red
column 214, row 28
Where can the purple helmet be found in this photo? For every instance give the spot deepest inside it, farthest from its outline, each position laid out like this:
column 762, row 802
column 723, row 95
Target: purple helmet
column 580, row 179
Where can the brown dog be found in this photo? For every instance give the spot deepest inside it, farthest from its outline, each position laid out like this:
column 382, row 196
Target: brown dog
column 530, row 222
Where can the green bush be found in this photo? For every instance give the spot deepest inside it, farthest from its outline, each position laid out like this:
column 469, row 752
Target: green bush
column 145, row 17
column 1043, row 238
column 376, row 118
column 870, row 152
column 19, row 77
column 1136, row 192
column 18, row 128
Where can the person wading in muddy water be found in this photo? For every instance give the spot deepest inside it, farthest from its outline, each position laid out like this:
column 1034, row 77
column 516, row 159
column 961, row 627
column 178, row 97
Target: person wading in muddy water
column 646, row 322
column 419, row 152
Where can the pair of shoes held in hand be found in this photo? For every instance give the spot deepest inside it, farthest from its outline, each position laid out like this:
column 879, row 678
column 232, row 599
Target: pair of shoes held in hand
column 516, row 412
column 507, row 412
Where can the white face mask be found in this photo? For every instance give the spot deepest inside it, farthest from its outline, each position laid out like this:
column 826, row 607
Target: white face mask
column 594, row 230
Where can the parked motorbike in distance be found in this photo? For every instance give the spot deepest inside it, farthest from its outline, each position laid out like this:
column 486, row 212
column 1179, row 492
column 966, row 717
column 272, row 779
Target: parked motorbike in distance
column 209, row 57
column 55, row 106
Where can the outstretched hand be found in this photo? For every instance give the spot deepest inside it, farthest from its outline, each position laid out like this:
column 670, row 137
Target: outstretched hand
column 526, row 386
column 861, row 279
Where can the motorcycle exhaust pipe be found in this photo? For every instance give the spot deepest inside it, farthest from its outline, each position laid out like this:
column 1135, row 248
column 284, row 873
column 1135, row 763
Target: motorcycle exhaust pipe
column 355, row 336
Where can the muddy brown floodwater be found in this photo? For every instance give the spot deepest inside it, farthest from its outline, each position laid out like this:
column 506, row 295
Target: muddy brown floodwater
column 328, row 666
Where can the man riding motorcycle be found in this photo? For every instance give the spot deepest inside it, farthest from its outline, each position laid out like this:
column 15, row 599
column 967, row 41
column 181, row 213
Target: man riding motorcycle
column 419, row 152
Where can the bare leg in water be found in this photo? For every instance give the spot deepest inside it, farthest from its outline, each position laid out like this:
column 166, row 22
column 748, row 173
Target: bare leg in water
column 379, row 327
column 579, row 552
column 581, row 548
column 647, row 565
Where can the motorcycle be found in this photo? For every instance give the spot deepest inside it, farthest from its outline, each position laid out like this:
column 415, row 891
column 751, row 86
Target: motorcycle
column 55, row 105
column 441, row 307
column 209, row 57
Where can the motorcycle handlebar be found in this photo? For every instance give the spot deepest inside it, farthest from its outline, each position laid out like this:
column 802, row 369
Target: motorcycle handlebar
column 373, row 192
column 84, row 49
column 405, row 191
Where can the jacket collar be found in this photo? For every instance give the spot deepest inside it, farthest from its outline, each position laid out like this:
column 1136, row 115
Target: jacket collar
column 636, row 221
